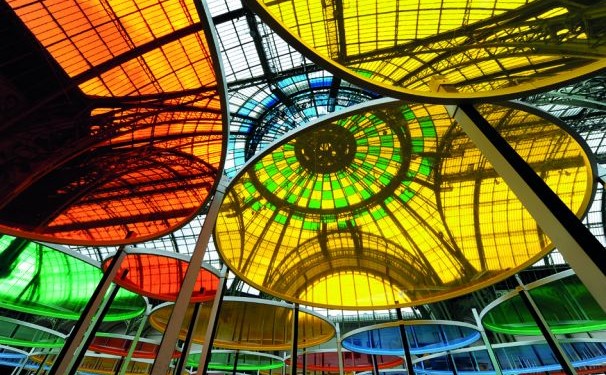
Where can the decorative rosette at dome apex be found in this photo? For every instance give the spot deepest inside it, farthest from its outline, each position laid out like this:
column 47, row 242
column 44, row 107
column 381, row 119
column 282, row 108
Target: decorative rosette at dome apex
column 390, row 204
column 492, row 50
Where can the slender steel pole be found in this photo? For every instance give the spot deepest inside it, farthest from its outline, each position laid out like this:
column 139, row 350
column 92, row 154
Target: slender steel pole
column 213, row 322
column 405, row 344
column 95, row 327
column 576, row 243
column 133, row 344
column 64, row 359
column 552, row 341
column 171, row 334
column 339, row 350
column 295, row 339
column 188, row 337
column 491, row 354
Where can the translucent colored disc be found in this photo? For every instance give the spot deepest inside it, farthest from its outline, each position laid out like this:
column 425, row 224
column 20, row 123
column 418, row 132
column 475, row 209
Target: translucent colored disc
column 328, row 361
column 99, row 364
column 22, row 334
column 160, row 275
column 119, row 345
column 229, row 360
column 391, row 204
column 251, row 324
column 118, row 123
column 564, row 301
column 423, row 337
column 518, row 357
column 41, row 280
column 485, row 50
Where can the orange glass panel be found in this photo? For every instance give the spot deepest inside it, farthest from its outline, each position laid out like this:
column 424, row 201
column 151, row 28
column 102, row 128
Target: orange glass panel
column 121, row 125
column 160, row 276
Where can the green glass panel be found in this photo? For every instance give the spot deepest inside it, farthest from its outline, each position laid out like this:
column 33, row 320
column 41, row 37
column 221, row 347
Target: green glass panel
column 41, row 280
column 566, row 305
column 245, row 362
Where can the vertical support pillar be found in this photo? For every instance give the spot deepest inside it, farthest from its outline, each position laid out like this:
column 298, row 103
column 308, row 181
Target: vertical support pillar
column 106, row 306
column 451, row 363
column 235, row 369
column 578, row 245
column 69, row 352
column 491, row 354
column 186, row 344
column 295, row 339
column 133, row 345
column 553, row 343
column 304, row 362
column 375, row 365
column 171, row 334
column 41, row 367
column 339, row 350
column 405, row 345
column 213, row 320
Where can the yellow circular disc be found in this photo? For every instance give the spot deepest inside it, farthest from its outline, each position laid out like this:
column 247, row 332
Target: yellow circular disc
column 251, row 324
column 392, row 205
column 483, row 49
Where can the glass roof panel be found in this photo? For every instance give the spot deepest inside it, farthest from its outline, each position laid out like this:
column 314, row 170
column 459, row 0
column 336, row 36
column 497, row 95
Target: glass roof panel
column 380, row 207
column 483, row 49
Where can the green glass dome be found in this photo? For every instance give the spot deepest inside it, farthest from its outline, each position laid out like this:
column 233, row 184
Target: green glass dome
column 42, row 280
column 391, row 204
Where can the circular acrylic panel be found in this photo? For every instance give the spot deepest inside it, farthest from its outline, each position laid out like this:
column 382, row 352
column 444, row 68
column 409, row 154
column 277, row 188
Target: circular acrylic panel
column 328, row 361
column 231, row 360
column 23, row 334
column 404, row 211
column 424, row 336
column 54, row 281
column 516, row 358
column 484, row 51
column 159, row 275
column 101, row 364
column 251, row 324
column 119, row 345
column 119, row 132
column 564, row 301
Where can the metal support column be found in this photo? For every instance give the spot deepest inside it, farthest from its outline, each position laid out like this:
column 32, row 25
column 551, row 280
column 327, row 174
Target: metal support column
column 295, row 339
column 491, row 355
column 213, row 320
column 171, row 334
column 375, row 365
column 69, row 352
column 186, row 344
column 553, row 343
column 133, row 344
column 339, row 350
column 578, row 245
column 99, row 319
column 405, row 344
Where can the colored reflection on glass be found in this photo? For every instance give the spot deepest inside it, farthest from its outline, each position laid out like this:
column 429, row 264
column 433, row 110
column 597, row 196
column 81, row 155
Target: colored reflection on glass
column 228, row 360
column 328, row 361
column 392, row 205
column 41, row 280
column 483, row 49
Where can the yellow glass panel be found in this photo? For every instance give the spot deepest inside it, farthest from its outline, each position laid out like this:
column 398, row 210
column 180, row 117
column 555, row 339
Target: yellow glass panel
column 251, row 324
column 401, row 47
column 392, row 206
